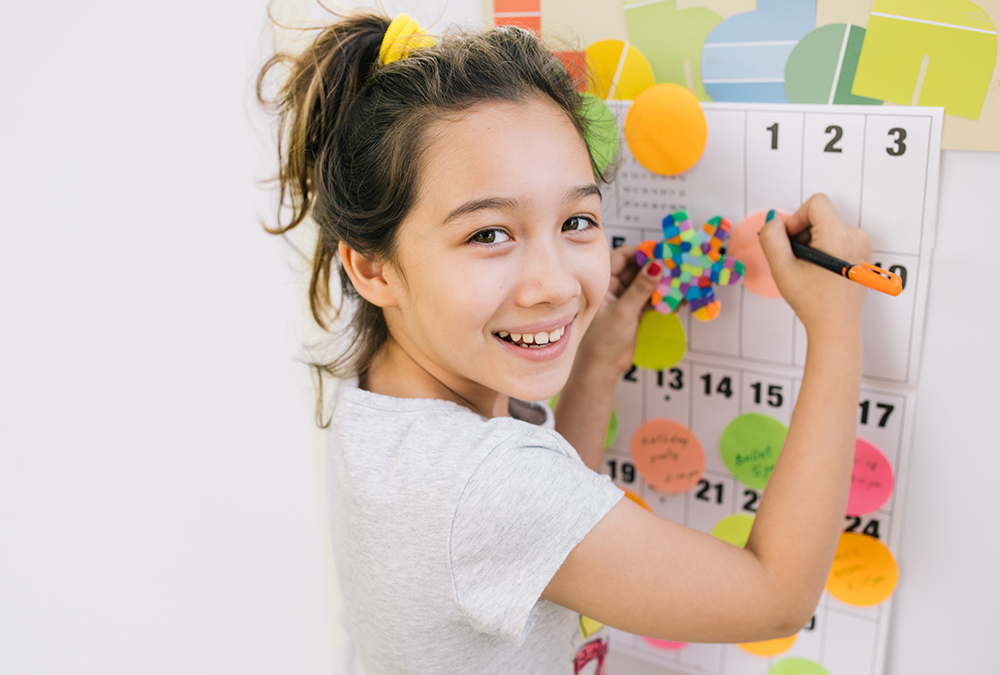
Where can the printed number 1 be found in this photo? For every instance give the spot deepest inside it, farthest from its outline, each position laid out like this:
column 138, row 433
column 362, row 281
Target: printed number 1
column 774, row 135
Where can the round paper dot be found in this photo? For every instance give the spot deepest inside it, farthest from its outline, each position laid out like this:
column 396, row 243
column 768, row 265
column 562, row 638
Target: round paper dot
column 666, row 129
column 637, row 499
column 603, row 61
column 744, row 244
column 602, row 131
column 666, row 645
column 871, row 480
column 734, row 529
column 864, row 571
column 769, row 647
column 661, row 342
column 668, row 456
column 797, row 667
column 750, row 445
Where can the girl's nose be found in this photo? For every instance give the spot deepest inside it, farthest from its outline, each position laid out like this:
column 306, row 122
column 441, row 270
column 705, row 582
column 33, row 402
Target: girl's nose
column 546, row 276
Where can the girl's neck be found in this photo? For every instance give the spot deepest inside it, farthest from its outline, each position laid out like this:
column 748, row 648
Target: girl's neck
column 395, row 372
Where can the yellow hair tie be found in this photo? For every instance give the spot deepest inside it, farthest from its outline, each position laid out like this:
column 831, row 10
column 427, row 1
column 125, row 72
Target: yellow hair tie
column 402, row 37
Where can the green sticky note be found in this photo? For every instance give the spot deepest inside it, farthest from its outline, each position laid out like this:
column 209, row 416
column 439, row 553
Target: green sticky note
column 601, row 134
column 821, row 67
column 661, row 342
column 612, row 433
column 957, row 37
column 671, row 40
column 750, row 446
column 797, row 667
column 734, row 529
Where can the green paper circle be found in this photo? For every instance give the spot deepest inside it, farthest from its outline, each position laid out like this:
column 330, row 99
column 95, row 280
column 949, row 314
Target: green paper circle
column 661, row 342
column 734, row 529
column 612, row 434
column 797, row 667
column 601, row 133
column 750, row 445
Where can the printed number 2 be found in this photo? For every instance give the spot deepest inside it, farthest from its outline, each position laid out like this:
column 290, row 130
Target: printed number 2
column 838, row 133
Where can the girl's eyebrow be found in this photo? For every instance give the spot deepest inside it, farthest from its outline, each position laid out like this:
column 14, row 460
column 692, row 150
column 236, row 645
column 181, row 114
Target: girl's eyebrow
column 511, row 204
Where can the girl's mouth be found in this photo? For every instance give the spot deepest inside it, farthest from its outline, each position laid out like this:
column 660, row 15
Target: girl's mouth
column 532, row 340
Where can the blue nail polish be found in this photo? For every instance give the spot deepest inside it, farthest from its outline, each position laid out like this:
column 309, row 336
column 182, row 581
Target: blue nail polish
column 770, row 216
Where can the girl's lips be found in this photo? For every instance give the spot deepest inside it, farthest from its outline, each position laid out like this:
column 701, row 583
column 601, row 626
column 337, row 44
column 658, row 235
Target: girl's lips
column 535, row 352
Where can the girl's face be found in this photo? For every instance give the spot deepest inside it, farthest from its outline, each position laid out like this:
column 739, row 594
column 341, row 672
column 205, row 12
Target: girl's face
column 502, row 262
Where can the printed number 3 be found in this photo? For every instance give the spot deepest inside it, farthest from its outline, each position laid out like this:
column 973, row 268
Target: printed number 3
column 900, row 148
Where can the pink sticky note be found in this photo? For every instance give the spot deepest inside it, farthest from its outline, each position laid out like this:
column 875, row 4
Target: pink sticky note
column 871, row 480
column 666, row 644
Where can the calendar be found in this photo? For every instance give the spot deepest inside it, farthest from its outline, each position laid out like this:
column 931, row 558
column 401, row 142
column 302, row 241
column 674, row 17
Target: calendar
column 879, row 165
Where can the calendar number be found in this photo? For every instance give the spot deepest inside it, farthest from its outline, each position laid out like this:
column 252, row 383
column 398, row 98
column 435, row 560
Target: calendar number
column 774, row 394
column 774, row 135
column 617, row 241
column 871, row 529
column 838, row 133
column 811, row 625
column 900, row 146
column 885, row 408
column 725, row 386
column 630, row 374
column 676, row 381
column 897, row 269
column 627, row 471
column 706, row 487
column 752, row 497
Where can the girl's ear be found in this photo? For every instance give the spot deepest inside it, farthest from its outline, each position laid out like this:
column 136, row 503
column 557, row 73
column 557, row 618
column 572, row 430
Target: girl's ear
column 367, row 277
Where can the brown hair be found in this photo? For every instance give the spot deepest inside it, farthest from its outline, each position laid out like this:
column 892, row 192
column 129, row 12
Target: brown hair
column 353, row 131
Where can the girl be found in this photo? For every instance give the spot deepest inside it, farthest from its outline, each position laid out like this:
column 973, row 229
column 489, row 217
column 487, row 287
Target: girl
column 454, row 193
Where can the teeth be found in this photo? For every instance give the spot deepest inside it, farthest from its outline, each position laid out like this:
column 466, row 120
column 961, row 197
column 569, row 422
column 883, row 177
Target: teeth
column 516, row 337
column 503, row 333
column 534, row 340
column 528, row 338
column 541, row 338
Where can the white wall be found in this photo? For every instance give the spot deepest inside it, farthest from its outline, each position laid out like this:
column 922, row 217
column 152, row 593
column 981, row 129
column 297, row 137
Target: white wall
column 158, row 502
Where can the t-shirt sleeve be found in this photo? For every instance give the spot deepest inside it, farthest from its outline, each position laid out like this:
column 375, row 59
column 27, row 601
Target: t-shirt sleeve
column 526, row 506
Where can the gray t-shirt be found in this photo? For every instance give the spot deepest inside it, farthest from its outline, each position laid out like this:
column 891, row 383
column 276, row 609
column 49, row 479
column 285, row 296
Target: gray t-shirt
column 446, row 529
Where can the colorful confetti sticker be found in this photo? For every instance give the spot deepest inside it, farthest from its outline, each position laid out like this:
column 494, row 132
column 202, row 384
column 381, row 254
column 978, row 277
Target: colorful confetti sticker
column 666, row 129
column 750, row 446
column 769, row 647
column 797, row 667
column 692, row 263
column 661, row 342
column 864, row 572
column 668, row 456
column 871, row 480
column 745, row 245
column 735, row 529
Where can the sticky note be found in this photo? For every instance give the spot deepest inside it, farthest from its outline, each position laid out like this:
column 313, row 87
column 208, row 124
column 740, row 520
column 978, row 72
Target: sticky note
column 671, row 40
column 617, row 70
column 665, row 645
column 769, row 647
column 735, row 529
column 871, row 479
column 957, row 39
column 745, row 245
column 750, row 446
column 821, row 67
column 612, row 432
column 743, row 58
column 661, row 342
column 588, row 626
column 797, row 666
column 601, row 133
column 668, row 456
column 637, row 499
column 666, row 129
column 864, row 571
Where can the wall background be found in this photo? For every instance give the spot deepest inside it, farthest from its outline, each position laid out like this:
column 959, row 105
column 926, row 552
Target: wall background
column 159, row 508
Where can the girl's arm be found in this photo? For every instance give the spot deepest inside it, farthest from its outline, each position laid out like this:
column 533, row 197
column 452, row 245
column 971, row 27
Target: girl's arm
column 583, row 410
column 652, row 577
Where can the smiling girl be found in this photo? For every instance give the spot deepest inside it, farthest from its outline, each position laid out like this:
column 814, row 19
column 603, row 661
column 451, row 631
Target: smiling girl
column 455, row 196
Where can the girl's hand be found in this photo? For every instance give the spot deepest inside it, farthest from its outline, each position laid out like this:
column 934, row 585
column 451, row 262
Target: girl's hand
column 610, row 341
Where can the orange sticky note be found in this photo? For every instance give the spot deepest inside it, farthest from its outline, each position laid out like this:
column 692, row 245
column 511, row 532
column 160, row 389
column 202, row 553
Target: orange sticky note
column 666, row 129
column 864, row 571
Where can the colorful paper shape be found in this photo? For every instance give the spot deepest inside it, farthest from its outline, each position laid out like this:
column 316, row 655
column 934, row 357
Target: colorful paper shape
column 745, row 245
column 671, row 40
column 821, row 67
column 797, row 666
column 871, row 480
column 957, row 39
column 668, row 456
column 750, row 446
column 588, row 626
column 665, row 645
column 864, row 572
column 692, row 263
column 612, row 432
column 525, row 14
column 602, row 131
column 666, row 129
column 637, row 499
column 743, row 58
column 661, row 342
column 769, row 647
column 617, row 70
column 735, row 529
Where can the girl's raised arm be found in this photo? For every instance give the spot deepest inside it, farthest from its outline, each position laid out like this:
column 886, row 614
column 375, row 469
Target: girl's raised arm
column 649, row 576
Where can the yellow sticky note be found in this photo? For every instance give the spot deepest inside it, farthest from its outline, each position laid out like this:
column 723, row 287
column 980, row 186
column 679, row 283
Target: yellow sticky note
column 661, row 343
column 947, row 47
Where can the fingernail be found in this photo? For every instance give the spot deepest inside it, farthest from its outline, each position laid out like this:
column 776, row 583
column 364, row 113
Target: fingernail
column 653, row 269
column 770, row 216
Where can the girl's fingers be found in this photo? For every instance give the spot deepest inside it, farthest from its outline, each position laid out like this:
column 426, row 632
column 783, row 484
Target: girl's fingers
column 632, row 301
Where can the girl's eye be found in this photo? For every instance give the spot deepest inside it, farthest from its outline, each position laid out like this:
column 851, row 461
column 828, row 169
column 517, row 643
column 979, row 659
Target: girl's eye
column 578, row 223
column 491, row 236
